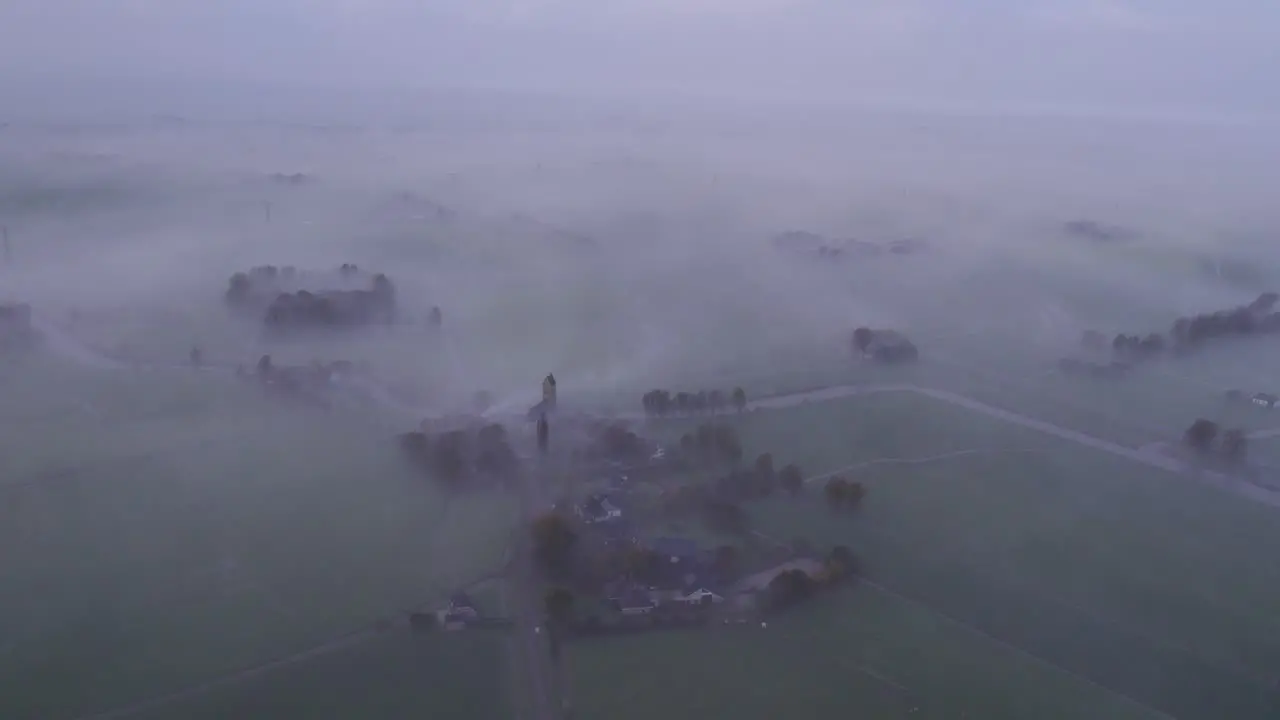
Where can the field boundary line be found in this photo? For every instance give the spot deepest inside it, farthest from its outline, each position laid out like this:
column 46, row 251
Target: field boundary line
column 1022, row 652
column 924, row 460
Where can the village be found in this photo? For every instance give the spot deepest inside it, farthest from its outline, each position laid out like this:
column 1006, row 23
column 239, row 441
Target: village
column 628, row 533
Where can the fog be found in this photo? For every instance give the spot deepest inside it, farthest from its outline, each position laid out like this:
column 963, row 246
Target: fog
column 593, row 193
column 621, row 255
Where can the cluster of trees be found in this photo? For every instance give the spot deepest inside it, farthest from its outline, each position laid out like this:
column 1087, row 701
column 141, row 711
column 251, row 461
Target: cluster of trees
column 792, row 587
column 712, row 444
column 333, row 308
column 661, row 403
column 554, row 541
column 1188, row 333
column 616, row 442
column 1205, row 438
column 842, row 494
column 274, row 291
column 885, row 346
column 456, row 458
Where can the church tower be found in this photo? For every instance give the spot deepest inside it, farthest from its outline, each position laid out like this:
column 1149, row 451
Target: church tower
column 549, row 392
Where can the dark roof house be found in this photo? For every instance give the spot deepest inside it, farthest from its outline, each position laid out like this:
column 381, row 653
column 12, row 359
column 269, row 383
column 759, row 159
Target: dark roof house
column 1266, row 400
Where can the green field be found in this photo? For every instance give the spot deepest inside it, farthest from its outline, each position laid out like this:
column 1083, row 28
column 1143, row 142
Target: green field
column 1052, row 583
column 463, row 675
column 160, row 531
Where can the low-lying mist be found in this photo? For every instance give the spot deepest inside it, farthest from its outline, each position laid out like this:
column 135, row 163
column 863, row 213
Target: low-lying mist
column 617, row 259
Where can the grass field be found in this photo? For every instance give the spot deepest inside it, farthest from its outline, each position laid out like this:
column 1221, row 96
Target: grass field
column 161, row 531
column 462, row 675
column 1053, row 583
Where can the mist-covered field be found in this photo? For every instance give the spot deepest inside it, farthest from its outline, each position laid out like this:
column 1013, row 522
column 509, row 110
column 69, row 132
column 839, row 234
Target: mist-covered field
column 163, row 527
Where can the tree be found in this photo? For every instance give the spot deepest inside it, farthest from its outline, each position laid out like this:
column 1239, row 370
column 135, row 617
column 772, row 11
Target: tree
column 739, row 399
column 558, row 603
column 862, row 338
column 1200, row 435
column 728, row 446
column 448, row 457
column 684, row 402
column 1152, row 344
column 841, row 562
column 688, row 444
column 854, row 493
column 727, row 561
column 788, row 588
column 715, row 401
column 553, row 540
column 764, row 464
column 836, row 490
column 792, row 480
column 1235, row 445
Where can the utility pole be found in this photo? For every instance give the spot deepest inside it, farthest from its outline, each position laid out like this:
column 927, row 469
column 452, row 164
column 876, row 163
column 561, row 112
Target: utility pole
column 266, row 210
column 8, row 250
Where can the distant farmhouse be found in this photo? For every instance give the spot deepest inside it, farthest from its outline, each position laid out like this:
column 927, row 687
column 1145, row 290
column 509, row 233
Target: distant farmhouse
column 597, row 508
column 1266, row 400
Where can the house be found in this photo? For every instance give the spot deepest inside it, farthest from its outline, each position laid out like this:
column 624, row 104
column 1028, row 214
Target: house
column 699, row 594
column 597, row 508
column 634, row 600
column 1266, row 400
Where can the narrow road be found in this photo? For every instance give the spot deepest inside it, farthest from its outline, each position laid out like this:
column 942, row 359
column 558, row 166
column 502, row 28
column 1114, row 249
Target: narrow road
column 532, row 645
column 1147, row 457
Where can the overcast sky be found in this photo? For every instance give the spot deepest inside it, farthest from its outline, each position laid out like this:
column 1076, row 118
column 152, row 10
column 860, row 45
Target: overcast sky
column 1212, row 57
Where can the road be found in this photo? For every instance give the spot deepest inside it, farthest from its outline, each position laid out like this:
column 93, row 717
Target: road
column 1149, row 456
column 533, row 651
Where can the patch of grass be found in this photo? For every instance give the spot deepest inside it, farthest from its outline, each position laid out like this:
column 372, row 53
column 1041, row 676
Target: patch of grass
column 462, row 675
column 1144, row 581
column 201, row 531
column 858, row 653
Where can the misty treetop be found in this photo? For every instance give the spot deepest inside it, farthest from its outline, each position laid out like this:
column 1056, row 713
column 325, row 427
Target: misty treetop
column 289, row 299
column 1190, row 333
column 661, row 403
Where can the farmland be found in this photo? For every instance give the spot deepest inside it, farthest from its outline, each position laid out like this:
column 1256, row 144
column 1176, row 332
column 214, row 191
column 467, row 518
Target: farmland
column 198, row 530
column 1108, row 588
column 393, row 676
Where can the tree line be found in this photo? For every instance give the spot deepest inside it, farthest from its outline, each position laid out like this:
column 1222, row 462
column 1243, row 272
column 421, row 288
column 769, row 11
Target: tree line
column 1189, row 333
column 661, row 403
column 462, row 458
